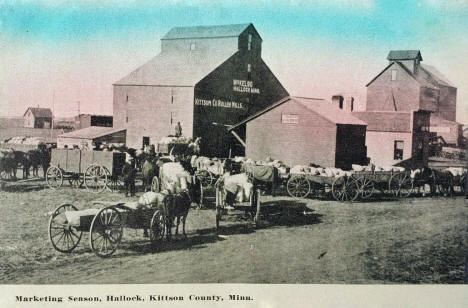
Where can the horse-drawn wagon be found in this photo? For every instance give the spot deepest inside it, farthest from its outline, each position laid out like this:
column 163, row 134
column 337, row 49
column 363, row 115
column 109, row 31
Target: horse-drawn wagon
column 105, row 225
column 96, row 169
column 396, row 182
column 237, row 192
column 342, row 188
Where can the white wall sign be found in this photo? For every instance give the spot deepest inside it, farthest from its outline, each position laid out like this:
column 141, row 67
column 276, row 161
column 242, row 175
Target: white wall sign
column 244, row 86
column 289, row 119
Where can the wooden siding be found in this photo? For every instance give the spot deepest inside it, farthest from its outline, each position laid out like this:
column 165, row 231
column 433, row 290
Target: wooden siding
column 149, row 110
column 405, row 90
column 312, row 140
column 380, row 146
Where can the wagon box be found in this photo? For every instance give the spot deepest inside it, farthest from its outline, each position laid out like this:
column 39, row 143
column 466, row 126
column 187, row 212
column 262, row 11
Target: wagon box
column 94, row 168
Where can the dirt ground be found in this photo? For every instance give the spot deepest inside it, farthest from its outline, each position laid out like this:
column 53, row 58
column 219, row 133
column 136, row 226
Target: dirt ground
column 415, row 240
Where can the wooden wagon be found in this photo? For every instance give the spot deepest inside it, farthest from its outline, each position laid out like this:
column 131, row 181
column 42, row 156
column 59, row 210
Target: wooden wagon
column 343, row 188
column 396, row 183
column 105, row 225
column 253, row 205
column 95, row 169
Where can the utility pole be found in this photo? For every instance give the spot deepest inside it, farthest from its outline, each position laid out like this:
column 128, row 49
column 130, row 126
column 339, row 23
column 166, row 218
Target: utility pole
column 53, row 111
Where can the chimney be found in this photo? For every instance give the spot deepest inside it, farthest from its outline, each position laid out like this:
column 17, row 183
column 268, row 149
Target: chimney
column 343, row 102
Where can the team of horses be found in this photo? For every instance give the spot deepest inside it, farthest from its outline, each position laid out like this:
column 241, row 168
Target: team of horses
column 11, row 160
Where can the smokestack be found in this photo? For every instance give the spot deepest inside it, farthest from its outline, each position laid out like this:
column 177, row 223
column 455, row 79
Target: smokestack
column 343, row 102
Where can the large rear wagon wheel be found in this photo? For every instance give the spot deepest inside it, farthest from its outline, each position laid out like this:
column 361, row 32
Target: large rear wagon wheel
column 106, row 232
column 366, row 187
column 345, row 189
column 95, row 178
column 205, row 177
column 401, row 185
column 62, row 235
column 54, row 177
column 298, row 186
column 157, row 228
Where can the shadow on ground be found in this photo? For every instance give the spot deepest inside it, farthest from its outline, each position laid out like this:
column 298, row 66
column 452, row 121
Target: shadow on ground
column 278, row 213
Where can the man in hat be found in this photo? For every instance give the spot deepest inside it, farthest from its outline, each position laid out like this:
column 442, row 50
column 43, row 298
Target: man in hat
column 129, row 174
column 178, row 130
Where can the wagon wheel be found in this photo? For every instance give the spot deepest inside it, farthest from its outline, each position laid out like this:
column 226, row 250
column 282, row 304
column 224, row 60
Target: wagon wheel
column 205, row 177
column 114, row 182
column 75, row 180
column 95, row 178
column 155, row 184
column 157, row 227
column 106, row 232
column 345, row 189
column 54, row 177
column 63, row 236
column 366, row 187
column 401, row 185
column 298, row 186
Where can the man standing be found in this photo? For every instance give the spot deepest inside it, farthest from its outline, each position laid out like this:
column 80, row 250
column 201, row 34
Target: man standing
column 178, row 130
column 129, row 174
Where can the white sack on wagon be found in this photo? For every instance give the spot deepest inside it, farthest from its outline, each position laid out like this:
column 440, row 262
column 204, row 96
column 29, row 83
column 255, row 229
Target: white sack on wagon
column 239, row 159
column 172, row 173
column 298, row 169
column 398, row 169
column 73, row 217
column 455, row 171
column 239, row 185
column 357, row 167
column 167, row 140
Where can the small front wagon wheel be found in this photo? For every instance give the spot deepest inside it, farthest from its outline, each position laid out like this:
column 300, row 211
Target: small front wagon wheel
column 157, row 227
column 54, row 177
column 106, row 232
column 298, row 186
column 63, row 236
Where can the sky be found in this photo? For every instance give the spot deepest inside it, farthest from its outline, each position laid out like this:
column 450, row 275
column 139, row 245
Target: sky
column 65, row 54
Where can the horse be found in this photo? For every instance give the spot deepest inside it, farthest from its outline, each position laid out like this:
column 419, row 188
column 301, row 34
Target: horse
column 436, row 179
column 8, row 163
column 149, row 170
column 194, row 147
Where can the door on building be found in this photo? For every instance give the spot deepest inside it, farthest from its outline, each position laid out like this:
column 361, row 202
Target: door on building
column 146, row 141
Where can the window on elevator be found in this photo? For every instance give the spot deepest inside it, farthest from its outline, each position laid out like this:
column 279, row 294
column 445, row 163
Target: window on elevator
column 249, row 42
column 394, row 75
column 193, row 46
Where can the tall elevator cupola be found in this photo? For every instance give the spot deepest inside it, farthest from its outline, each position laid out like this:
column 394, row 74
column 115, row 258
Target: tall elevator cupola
column 409, row 58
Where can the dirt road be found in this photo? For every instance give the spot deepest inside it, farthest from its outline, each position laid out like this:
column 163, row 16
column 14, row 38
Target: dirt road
column 418, row 240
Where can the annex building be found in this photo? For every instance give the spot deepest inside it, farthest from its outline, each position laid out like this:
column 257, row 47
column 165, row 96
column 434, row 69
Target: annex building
column 306, row 130
column 406, row 84
column 207, row 78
